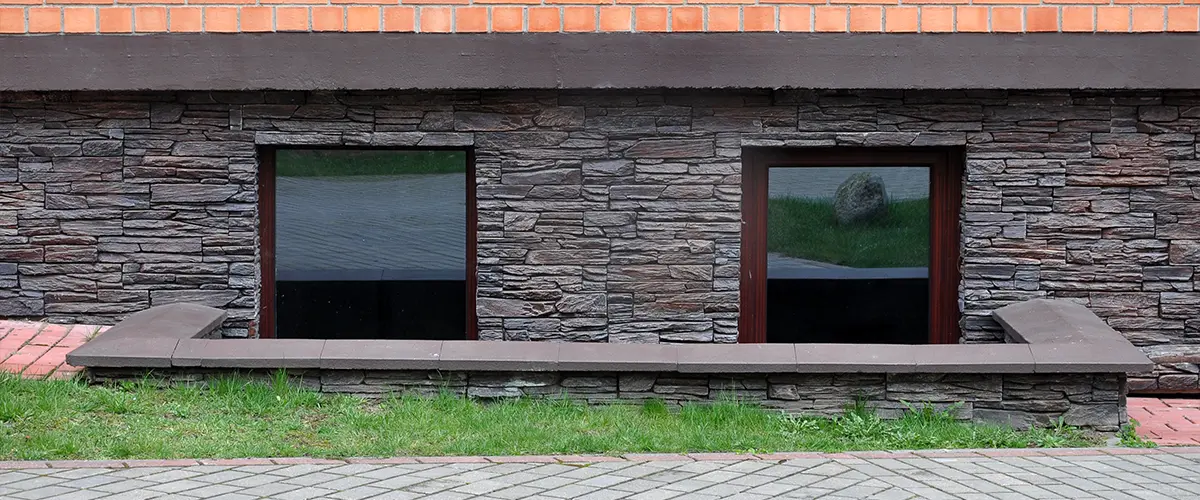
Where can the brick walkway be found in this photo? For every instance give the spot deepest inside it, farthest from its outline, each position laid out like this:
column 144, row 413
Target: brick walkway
column 1167, row 421
column 39, row 350
column 994, row 474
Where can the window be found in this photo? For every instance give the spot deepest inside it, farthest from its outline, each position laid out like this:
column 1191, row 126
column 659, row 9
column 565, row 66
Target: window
column 367, row 244
column 850, row 245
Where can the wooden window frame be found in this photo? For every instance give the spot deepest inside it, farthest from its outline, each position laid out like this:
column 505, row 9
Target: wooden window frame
column 945, row 206
column 265, row 325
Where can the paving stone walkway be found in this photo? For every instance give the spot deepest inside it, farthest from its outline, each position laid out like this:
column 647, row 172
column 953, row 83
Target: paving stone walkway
column 1167, row 421
column 997, row 474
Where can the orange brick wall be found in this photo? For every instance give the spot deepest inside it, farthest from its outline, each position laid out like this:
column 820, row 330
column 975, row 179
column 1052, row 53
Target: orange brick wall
column 472, row 16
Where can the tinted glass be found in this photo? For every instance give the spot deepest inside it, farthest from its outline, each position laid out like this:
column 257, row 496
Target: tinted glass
column 370, row 244
column 848, row 254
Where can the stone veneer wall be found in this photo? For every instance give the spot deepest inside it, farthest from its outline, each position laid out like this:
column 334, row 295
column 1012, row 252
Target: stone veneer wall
column 602, row 215
column 1094, row 401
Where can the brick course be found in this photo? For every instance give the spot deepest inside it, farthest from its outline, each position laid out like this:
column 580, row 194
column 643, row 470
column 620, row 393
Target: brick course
column 603, row 216
column 475, row 16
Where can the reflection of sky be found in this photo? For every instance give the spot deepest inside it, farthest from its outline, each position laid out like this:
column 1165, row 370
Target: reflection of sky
column 400, row 223
column 901, row 183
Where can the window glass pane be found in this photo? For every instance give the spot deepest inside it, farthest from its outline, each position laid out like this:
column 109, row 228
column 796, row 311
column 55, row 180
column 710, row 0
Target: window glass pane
column 848, row 254
column 370, row 244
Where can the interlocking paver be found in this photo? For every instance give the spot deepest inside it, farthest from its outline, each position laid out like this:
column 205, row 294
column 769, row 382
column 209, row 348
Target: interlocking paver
column 1082, row 474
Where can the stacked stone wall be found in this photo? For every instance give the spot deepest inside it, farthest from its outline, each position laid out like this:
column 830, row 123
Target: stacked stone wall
column 1093, row 401
column 603, row 216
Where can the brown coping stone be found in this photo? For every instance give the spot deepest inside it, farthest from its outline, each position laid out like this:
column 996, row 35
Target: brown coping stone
column 474, row 355
column 236, row 462
column 712, row 457
column 306, row 461
column 179, row 321
column 657, row 457
column 145, row 337
column 736, row 358
column 1046, row 321
column 452, row 460
column 575, row 459
column 207, row 353
column 146, row 352
column 966, row 358
column 792, row 455
column 381, row 355
column 382, row 461
column 88, row 464
column 178, row 462
column 148, row 339
column 856, row 358
column 1088, row 358
column 19, row 464
column 602, row 357
column 523, row 459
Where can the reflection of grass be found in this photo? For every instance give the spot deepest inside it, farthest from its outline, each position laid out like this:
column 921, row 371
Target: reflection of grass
column 326, row 163
column 236, row 417
column 806, row 229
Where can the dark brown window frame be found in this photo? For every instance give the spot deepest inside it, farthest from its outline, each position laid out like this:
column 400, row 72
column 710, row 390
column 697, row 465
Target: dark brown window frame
column 266, row 232
column 945, row 205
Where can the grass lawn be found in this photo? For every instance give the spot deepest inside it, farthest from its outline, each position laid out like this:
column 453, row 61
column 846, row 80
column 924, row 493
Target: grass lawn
column 807, row 229
column 240, row 418
column 325, row 163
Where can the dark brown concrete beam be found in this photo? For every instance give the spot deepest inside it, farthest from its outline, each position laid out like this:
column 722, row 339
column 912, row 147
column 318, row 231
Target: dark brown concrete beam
column 307, row 61
column 168, row 335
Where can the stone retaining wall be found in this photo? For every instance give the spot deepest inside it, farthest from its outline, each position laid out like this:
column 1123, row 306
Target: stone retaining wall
column 1093, row 401
column 603, row 216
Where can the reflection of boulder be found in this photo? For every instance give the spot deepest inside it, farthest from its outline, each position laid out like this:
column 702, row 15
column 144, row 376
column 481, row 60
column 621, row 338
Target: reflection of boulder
column 861, row 198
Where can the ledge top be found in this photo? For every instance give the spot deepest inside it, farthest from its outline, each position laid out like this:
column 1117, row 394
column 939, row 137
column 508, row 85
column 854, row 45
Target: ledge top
column 1053, row 337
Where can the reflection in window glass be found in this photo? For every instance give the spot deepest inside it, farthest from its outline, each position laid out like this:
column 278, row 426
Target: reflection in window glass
column 848, row 254
column 370, row 244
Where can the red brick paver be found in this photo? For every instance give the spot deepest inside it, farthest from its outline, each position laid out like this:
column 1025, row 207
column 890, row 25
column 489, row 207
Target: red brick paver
column 39, row 350
column 1167, row 421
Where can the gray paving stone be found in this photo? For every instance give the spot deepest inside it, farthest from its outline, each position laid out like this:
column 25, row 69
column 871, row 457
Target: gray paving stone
column 14, row 476
column 43, row 492
column 358, row 493
column 135, row 495
column 656, row 494
column 1164, row 476
column 75, row 473
column 80, row 495
column 304, row 493
column 91, row 481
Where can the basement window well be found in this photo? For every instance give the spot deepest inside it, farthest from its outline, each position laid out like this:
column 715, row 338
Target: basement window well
column 366, row 244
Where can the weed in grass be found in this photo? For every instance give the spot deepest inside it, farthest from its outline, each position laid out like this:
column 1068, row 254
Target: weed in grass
column 1130, row 438
column 240, row 417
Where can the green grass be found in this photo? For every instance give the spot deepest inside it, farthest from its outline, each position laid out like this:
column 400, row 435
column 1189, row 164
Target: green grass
column 807, row 229
column 235, row 417
column 1130, row 438
column 326, row 163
